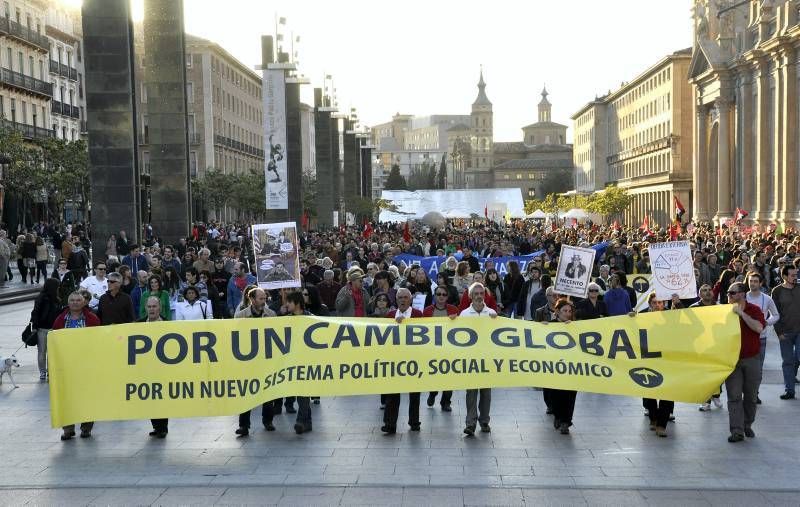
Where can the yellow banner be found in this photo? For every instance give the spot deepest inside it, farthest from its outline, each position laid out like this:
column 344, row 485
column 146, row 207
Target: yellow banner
column 224, row 367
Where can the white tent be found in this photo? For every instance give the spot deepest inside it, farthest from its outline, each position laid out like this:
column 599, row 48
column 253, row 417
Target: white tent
column 453, row 203
column 576, row 213
column 539, row 214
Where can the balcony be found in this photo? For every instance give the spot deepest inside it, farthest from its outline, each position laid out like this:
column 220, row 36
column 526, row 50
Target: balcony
column 65, row 109
column 24, row 34
column 63, row 70
column 27, row 83
column 239, row 146
column 28, row 131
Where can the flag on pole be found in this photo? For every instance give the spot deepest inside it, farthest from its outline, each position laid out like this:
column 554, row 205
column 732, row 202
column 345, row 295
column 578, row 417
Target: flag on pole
column 367, row 229
column 406, row 233
column 740, row 215
column 486, row 210
column 281, row 21
column 645, row 225
column 679, row 209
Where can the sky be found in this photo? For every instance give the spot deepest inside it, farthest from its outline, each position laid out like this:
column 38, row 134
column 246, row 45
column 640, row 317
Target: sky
column 423, row 57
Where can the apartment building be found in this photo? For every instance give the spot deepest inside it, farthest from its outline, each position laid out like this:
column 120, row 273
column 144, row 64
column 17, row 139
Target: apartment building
column 65, row 67
column 25, row 88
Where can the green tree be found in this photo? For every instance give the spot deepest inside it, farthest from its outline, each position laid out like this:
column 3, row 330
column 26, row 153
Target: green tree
column 557, row 181
column 249, row 191
column 441, row 178
column 611, row 201
column 309, row 192
column 64, row 172
column 395, row 181
column 215, row 188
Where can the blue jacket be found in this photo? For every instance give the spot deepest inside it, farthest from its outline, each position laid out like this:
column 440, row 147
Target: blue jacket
column 136, row 264
column 617, row 301
column 234, row 294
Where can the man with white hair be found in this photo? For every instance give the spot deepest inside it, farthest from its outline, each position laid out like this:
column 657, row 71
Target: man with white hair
column 478, row 308
column 392, row 410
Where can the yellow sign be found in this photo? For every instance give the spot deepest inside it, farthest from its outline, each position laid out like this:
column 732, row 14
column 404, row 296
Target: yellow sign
column 224, row 367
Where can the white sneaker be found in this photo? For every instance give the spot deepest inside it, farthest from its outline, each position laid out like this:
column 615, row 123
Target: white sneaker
column 705, row 407
column 717, row 402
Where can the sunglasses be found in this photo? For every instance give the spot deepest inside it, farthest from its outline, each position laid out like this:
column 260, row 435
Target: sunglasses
column 442, row 294
column 733, row 292
column 593, row 290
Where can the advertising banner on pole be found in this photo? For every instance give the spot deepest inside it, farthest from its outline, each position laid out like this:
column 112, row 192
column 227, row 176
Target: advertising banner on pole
column 574, row 270
column 276, row 250
column 274, row 92
column 673, row 272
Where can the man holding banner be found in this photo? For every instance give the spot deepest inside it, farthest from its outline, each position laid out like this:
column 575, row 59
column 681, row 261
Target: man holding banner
column 392, row 411
column 478, row 308
column 743, row 383
column 257, row 309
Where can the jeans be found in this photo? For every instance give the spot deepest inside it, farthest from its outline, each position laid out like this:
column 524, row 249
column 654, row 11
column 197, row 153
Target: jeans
column 41, row 354
column 474, row 406
column 790, row 353
column 742, row 387
column 41, row 270
column 762, row 352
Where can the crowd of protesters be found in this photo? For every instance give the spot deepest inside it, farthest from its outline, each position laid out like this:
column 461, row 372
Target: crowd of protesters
column 351, row 272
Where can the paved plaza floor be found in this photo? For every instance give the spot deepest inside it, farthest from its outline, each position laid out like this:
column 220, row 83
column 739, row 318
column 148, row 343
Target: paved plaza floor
column 611, row 457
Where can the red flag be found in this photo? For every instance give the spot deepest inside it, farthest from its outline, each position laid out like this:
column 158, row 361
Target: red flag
column 675, row 230
column 304, row 220
column 406, row 233
column 645, row 225
column 679, row 209
column 367, row 229
column 486, row 210
column 740, row 215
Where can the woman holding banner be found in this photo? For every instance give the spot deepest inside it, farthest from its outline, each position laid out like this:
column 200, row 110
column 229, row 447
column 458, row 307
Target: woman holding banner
column 562, row 401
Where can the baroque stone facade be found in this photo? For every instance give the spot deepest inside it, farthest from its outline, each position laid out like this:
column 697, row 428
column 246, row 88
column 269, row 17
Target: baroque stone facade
column 745, row 75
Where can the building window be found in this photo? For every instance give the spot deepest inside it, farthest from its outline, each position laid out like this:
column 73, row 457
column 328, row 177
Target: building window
column 506, row 176
column 531, row 176
column 146, row 162
column 193, row 163
column 64, row 133
column 188, row 60
column 519, row 176
column 144, row 92
column 531, row 193
column 190, row 92
column 72, row 134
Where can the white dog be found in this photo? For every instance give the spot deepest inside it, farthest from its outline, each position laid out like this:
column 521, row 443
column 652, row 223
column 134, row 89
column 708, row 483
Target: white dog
column 6, row 365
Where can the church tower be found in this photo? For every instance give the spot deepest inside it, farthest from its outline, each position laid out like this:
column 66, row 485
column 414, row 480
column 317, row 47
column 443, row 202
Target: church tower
column 544, row 107
column 481, row 129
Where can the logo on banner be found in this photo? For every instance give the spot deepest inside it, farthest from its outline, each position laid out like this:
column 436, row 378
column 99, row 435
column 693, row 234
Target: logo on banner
column 646, row 377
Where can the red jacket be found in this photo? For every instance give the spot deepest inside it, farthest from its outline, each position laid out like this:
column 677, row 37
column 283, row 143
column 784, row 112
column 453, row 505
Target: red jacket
column 490, row 301
column 91, row 319
column 414, row 313
column 451, row 310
